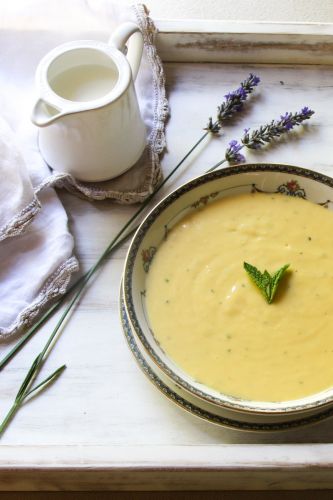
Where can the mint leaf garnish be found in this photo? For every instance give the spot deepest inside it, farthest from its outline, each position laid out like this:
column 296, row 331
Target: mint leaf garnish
column 267, row 283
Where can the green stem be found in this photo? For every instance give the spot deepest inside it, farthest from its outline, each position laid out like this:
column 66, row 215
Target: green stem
column 83, row 280
column 35, row 368
column 25, row 390
column 30, row 333
column 217, row 165
column 51, row 378
column 116, row 241
column 30, row 376
column 54, row 307
column 111, row 245
column 20, row 399
column 9, row 416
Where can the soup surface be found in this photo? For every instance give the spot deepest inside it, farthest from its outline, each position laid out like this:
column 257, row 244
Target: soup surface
column 213, row 321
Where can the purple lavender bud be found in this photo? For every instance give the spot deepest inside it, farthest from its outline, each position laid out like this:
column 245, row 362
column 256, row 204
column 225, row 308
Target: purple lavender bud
column 233, row 103
column 286, row 121
column 234, row 100
column 306, row 112
column 232, row 154
column 255, row 79
column 264, row 134
column 241, row 93
column 267, row 133
column 229, row 96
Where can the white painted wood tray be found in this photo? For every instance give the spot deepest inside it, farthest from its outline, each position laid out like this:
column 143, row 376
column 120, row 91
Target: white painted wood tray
column 103, row 425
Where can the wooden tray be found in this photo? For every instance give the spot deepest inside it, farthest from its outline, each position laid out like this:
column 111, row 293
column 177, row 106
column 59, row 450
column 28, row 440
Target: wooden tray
column 103, row 425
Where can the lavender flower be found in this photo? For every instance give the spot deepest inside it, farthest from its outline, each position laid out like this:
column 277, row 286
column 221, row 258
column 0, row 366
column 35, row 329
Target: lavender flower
column 266, row 133
column 233, row 103
column 232, row 154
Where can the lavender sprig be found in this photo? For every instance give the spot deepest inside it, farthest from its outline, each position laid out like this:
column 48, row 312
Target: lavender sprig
column 275, row 129
column 263, row 135
column 233, row 103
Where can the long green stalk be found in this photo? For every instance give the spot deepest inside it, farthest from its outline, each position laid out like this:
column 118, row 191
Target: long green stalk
column 233, row 103
column 52, row 309
column 25, row 388
column 24, row 391
column 117, row 241
column 35, row 368
column 214, row 167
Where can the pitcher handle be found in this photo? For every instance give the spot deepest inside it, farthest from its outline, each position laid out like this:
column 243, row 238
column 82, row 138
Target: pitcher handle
column 129, row 32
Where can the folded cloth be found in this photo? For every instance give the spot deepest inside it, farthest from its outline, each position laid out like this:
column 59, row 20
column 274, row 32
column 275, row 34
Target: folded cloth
column 36, row 248
column 36, row 261
column 18, row 203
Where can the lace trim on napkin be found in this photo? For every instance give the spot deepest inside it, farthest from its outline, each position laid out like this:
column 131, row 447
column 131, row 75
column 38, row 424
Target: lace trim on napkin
column 19, row 222
column 161, row 109
column 55, row 285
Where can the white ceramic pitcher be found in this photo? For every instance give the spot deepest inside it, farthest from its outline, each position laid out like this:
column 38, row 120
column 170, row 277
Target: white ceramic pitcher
column 88, row 113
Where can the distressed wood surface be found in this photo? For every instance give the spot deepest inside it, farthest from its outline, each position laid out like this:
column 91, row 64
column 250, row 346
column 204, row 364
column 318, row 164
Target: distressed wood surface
column 102, row 425
column 246, row 42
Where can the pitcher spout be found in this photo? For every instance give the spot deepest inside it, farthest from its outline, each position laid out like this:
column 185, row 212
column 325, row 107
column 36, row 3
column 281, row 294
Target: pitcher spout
column 43, row 113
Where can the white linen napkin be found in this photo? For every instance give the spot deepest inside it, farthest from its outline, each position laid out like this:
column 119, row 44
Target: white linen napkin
column 18, row 204
column 36, row 248
column 36, row 261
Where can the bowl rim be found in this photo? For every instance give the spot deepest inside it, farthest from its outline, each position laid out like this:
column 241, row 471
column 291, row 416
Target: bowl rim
column 314, row 401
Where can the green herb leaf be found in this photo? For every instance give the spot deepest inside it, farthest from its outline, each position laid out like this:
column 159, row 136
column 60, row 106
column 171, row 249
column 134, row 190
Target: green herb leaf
column 276, row 278
column 266, row 282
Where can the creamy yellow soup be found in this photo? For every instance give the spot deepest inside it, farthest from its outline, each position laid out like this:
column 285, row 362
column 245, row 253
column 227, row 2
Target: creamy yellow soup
column 214, row 323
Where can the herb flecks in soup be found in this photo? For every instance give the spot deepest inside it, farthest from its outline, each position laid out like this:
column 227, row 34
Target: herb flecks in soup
column 208, row 316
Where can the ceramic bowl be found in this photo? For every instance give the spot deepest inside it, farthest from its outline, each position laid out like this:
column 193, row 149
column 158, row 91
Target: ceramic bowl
column 271, row 178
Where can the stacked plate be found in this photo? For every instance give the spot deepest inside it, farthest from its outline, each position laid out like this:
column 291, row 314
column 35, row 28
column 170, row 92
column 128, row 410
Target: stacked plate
column 169, row 378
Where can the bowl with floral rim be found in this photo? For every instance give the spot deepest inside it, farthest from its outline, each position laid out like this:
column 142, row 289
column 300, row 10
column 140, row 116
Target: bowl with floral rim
column 196, row 195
